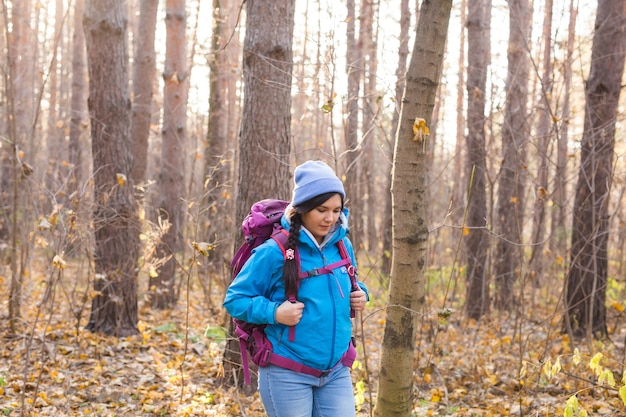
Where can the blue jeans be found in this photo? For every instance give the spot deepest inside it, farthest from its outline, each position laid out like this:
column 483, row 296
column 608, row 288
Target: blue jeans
column 287, row 393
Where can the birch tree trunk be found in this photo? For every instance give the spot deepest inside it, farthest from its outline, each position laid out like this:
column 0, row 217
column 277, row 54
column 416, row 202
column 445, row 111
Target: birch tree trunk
column 587, row 277
column 410, row 226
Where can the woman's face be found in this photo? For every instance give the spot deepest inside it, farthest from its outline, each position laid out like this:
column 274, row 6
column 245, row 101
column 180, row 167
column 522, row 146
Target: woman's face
column 321, row 219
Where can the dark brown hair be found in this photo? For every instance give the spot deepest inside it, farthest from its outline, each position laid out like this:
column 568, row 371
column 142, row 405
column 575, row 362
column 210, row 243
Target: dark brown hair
column 291, row 268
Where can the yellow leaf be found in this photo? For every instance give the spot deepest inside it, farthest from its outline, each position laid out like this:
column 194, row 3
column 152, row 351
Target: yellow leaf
column 606, row 375
column 576, row 358
column 547, row 368
column 58, row 262
column 420, row 130
column 556, row 368
column 466, row 231
column 153, row 272
column 594, row 363
column 522, row 372
column 617, row 306
column 622, row 394
column 203, row 247
column 435, row 396
column 121, row 179
column 571, row 406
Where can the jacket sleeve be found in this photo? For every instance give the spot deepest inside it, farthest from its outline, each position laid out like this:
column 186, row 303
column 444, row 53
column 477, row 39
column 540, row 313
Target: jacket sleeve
column 252, row 296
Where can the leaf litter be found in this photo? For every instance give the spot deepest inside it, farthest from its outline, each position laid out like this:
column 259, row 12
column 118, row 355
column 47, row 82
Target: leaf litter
column 502, row 366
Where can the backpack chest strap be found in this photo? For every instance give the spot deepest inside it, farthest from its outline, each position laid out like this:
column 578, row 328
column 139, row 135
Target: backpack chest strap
column 325, row 269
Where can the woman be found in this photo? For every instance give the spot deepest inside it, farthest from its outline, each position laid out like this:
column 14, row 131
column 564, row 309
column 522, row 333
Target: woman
column 320, row 316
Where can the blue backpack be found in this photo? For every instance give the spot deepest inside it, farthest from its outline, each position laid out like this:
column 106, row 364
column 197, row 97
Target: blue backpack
column 263, row 223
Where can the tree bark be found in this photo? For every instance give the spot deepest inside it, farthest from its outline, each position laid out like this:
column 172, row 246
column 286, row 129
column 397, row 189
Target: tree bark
column 410, row 226
column 79, row 116
column 353, row 69
column 545, row 133
column 264, row 142
column 219, row 158
column 20, row 100
column 403, row 53
column 558, row 243
column 586, row 279
column 144, row 71
column 172, row 175
column 515, row 132
column 116, row 223
column 476, row 238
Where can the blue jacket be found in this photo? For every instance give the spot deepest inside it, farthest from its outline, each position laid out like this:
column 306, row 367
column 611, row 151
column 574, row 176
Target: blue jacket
column 323, row 334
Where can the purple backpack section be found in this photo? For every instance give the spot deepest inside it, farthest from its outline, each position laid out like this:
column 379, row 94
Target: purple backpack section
column 257, row 227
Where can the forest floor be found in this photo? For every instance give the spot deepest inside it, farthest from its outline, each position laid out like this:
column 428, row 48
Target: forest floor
column 507, row 364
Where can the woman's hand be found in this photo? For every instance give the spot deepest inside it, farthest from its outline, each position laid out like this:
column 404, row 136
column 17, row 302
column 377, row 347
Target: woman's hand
column 358, row 298
column 289, row 313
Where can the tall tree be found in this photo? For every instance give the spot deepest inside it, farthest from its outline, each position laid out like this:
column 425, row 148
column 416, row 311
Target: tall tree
column 587, row 276
column 558, row 243
column 515, row 132
column 20, row 98
column 354, row 71
column 144, row 71
column 115, row 218
column 78, row 103
column 264, row 141
column 219, row 158
column 403, row 53
column 369, row 198
column 476, row 239
column 410, row 226
column 545, row 133
column 172, row 178
column 54, row 142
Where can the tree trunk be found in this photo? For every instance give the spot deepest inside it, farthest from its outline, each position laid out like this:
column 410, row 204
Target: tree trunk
column 558, row 243
column 144, row 71
column 20, row 95
column 410, row 226
column 218, row 157
column 78, row 118
column 515, row 134
column 476, row 238
column 264, row 142
column 545, row 133
column 586, row 279
column 403, row 53
column 114, row 308
column 354, row 72
column 172, row 174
